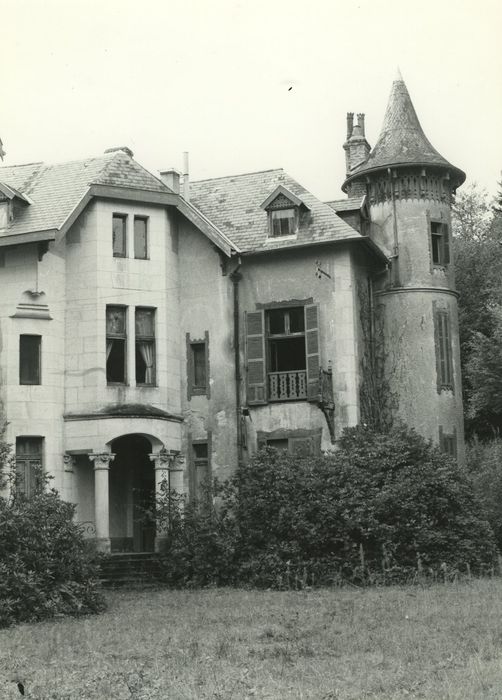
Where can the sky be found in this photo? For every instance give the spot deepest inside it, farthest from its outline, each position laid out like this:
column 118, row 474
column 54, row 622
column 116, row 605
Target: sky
column 246, row 85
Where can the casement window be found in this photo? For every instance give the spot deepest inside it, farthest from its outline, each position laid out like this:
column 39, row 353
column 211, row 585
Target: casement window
column 200, row 468
column 29, row 452
column 448, row 442
column 283, row 354
column 444, row 352
column 145, row 345
column 119, row 233
column 198, row 366
column 300, row 443
column 140, row 237
column 283, row 222
column 440, row 243
column 30, row 355
column 116, row 344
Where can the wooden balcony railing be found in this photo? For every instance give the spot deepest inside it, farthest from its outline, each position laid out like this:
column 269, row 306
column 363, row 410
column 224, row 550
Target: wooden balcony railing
column 287, row 386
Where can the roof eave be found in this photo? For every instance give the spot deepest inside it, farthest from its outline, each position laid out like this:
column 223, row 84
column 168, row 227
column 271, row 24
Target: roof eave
column 460, row 175
column 28, row 237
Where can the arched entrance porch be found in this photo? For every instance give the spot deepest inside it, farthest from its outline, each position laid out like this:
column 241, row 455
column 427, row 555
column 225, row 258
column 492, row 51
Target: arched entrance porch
column 132, row 495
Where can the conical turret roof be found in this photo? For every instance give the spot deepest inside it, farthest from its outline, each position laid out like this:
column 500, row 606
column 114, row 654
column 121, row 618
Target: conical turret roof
column 402, row 140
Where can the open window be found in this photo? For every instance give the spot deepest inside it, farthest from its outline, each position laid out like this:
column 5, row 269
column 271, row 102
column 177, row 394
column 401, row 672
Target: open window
column 116, row 344
column 440, row 244
column 283, row 354
column 283, row 209
column 145, row 345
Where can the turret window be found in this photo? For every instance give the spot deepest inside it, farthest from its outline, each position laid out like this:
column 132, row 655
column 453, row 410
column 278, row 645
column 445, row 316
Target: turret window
column 440, row 244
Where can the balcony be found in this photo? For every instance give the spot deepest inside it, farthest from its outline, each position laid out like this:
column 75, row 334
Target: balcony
column 287, row 386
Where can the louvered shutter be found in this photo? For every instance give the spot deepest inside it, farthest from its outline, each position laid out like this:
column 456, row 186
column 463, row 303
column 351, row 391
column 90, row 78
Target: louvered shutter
column 446, row 244
column 255, row 348
column 312, row 351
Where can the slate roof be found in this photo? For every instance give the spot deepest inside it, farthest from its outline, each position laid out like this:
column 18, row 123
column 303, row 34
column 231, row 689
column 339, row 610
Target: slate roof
column 347, row 204
column 233, row 205
column 402, row 140
column 56, row 190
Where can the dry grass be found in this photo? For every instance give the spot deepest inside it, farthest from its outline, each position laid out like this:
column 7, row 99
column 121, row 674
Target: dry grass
column 439, row 642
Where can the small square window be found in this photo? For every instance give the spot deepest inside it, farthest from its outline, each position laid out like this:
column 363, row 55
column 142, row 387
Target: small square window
column 29, row 359
column 283, row 222
column 119, row 227
column 140, row 238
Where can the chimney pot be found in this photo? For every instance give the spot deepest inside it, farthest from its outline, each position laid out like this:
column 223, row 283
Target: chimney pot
column 350, row 124
column 186, row 177
column 360, row 122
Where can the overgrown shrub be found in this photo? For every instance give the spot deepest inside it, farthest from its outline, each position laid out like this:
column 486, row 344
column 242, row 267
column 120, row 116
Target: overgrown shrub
column 484, row 463
column 45, row 567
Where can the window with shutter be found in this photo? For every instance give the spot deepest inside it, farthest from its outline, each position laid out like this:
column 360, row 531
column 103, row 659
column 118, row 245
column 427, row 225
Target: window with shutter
column 198, row 366
column 255, row 348
column 312, row 351
column 444, row 353
column 200, row 468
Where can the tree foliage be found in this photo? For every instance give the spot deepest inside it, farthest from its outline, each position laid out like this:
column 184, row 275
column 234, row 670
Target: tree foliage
column 478, row 275
column 45, row 567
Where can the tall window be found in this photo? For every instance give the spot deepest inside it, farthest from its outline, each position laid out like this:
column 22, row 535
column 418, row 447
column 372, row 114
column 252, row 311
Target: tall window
column 198, row 366
column 287, row 360
column 444, row 360
column 140, row 238
column 116, row 344
column 145, row 345
column 30, row 347
column 440, row 243
column 119, row 228
column 28, row 463
column 200, row 476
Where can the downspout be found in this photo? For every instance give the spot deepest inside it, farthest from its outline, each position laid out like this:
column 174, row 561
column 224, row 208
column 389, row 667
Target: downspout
column 236, row 276
column 395, row 252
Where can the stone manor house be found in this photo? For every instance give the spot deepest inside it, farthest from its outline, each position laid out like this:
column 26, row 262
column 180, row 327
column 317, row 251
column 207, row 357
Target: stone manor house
column 157, row 327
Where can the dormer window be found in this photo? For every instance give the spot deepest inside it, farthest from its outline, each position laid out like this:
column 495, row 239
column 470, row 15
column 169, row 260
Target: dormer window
column 283, row 222
column 283, row 210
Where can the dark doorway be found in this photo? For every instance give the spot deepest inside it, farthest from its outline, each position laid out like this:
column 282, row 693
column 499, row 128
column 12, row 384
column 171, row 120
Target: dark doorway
column 132, row 495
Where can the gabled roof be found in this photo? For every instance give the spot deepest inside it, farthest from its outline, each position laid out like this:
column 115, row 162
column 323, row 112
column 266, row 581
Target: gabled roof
column 402, row 140
column 12, row 193
column 233, row 204
column 57, row 193
column 280, row 190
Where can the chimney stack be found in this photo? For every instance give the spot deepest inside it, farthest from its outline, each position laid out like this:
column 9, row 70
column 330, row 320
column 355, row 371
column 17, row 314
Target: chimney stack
column 360, row 122
column 171, row 178
column 186, row 177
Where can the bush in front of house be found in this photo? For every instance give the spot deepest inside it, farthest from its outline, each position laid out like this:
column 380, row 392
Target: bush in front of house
column 383, row 508
column 46, row 568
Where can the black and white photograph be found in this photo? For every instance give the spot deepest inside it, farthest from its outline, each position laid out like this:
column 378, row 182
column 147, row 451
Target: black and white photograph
column 250, row 350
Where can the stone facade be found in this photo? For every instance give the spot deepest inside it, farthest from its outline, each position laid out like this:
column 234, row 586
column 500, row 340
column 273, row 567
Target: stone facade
column 254, row 294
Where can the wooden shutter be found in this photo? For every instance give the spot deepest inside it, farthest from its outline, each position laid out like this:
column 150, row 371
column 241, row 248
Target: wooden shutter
column 446, row 244
column 312, row 351
column 255, row 348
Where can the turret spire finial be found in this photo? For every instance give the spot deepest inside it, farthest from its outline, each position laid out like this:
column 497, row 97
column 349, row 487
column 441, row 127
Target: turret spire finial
column 398, row 77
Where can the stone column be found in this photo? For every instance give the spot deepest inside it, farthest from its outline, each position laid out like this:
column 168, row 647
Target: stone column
column 101, row 499
column 166, row 472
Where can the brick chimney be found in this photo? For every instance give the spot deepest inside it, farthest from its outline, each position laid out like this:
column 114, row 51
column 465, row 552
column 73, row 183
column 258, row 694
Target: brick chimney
column 356, row 148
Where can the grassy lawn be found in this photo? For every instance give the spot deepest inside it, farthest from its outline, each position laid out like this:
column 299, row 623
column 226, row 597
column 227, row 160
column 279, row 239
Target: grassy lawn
column 439, row 642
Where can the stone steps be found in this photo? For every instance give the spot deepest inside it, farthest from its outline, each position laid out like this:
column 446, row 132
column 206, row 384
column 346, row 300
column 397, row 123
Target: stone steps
column 130, row 569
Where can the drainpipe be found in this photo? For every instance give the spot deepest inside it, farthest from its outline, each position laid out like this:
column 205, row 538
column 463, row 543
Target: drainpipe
column 395, row 256
column 236, row 276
